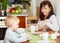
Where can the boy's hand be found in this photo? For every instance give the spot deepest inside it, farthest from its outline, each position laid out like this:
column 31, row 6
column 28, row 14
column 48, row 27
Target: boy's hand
column 28, row 29
column 27, row 36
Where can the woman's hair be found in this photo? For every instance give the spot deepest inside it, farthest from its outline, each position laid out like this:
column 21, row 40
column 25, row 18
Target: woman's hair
column 43, row 3
column 9, row 18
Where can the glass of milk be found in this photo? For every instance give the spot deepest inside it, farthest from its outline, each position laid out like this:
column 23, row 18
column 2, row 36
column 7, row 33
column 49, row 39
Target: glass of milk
column 32, row 29
column 45, row 36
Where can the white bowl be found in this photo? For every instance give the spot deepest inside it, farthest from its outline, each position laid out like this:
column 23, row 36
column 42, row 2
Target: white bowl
column 21, row 30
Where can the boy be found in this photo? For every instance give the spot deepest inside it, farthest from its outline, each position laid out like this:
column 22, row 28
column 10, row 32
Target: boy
column 12, row 23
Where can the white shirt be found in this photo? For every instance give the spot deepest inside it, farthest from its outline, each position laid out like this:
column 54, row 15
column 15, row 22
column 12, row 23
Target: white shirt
column 14, row 37
column 51, row 23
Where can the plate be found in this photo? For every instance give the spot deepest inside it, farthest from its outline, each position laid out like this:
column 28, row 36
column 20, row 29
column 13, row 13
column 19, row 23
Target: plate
column 37, row 32
column 44, row 41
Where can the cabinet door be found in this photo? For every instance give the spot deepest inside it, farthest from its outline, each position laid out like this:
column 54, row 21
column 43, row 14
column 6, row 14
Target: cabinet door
column 22, row 23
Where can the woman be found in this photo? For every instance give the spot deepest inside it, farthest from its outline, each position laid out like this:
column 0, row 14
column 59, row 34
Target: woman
column 47, row 17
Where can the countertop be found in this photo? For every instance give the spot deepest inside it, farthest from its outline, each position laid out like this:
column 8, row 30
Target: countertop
column 20, row 14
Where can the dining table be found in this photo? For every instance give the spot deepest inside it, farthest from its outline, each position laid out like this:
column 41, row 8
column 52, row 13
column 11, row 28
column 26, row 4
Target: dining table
column 35, row 38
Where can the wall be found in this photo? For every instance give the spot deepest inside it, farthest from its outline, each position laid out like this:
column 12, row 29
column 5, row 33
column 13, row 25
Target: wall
column 58, row 10
column 38, row 3
column 33, row 7
column 56, row 6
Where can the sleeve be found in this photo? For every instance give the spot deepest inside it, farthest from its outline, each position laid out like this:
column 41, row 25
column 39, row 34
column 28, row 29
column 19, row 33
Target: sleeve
column 53, row 24
column 13, row 38
column 38, row 24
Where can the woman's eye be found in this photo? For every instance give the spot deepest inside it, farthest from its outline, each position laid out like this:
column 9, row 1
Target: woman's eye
column 45, row 8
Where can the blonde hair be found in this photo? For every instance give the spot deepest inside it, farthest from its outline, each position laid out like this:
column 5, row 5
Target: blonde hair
column 9, row 18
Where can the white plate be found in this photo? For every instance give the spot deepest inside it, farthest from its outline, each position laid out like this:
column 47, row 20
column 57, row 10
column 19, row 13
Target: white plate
column 44, row 41
column 38, row 33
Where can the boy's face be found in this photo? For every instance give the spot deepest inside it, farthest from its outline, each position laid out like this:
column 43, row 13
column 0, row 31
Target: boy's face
column 15, row 24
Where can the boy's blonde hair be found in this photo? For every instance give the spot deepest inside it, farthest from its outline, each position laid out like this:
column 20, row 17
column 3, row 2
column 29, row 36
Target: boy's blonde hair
column 9, row 18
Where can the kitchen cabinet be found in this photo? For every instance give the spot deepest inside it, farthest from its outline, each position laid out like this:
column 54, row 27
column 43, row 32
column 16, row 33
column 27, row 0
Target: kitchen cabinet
column 23, row 20
column 26, row 21
column 31, row 21
column 2, row 33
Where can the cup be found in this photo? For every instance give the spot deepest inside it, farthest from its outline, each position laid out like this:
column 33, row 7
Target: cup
column 13, row 5
column 45, row 36
column 2, row 12
column 32, row 29
column 24, row 11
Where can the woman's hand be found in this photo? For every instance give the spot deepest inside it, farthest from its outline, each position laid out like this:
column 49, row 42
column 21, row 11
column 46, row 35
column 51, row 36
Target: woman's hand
column 40, row 29
column 42, row 25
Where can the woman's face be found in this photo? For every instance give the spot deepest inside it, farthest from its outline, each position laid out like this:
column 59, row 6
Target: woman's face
column 45, row 10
